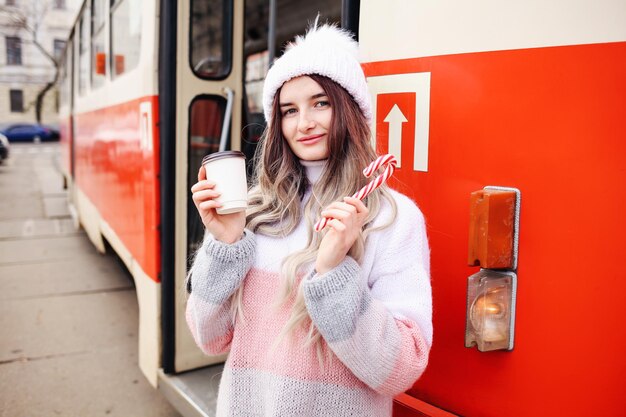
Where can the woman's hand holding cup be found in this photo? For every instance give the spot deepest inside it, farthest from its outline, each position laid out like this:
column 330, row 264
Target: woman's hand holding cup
column 227, row 228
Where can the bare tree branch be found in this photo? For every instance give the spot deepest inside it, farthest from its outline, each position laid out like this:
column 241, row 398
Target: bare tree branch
column 46, row 54
column 28, row 18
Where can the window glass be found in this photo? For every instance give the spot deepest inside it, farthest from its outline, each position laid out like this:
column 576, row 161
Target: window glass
column 59, row 46
column 98, row 60
column 125, row 35
column 206, row 117
column 292, row 18
column 211, row 34
column 83, row 53
column 65, row 75
column 98, row 54
column 99, row 10
column 14, row 50
column 17, row 101
column 256, row 70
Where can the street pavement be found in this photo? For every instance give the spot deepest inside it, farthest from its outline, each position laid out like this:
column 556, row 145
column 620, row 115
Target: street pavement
column 68, row 315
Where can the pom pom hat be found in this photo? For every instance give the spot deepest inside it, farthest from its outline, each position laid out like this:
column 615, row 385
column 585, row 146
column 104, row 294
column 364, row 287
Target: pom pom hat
column 324, row 50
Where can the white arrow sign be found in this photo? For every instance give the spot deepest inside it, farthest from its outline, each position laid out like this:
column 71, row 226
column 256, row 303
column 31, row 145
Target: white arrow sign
column 395, row 118
column 419, row 83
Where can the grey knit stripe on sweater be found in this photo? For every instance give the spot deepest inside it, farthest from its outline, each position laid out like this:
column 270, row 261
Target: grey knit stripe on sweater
column 219, row 268
column 255, row 393
column 336, row 300
column 373, row 365
column 221, row 319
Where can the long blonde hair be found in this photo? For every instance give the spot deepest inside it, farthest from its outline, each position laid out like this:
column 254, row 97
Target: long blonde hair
column 275, row 199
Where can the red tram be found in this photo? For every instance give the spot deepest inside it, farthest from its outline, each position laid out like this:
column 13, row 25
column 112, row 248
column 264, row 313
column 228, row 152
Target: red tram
column 508, row 121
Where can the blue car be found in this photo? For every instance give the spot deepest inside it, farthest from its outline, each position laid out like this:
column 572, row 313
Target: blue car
column 31, row 132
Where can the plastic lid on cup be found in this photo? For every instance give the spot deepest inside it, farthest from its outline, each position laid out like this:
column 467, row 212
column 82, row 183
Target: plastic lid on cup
column 224, row 154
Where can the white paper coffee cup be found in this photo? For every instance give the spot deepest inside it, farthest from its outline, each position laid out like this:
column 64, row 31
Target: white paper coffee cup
column 228, row 170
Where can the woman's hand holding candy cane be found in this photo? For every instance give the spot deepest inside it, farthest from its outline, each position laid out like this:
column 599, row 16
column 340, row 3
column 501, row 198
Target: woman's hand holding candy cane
column 390, row 162
column 346, row 219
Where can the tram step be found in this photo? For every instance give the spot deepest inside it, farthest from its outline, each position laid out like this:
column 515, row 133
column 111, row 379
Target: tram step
column 192, row 393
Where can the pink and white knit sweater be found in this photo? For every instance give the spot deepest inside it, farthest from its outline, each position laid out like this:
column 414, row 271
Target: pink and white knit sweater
column 375, row 318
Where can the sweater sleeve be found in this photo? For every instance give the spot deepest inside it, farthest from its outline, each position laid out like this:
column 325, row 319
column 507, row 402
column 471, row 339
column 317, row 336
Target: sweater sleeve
column 216, row 273
column 379, row 326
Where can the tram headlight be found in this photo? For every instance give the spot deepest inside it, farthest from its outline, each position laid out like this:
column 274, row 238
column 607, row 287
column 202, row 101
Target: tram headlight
column 490, row 316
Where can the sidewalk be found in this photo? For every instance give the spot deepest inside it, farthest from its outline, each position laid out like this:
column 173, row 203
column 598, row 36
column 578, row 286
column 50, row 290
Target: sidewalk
column 68, row 315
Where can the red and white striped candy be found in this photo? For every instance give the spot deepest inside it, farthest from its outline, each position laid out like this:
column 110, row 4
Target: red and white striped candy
column 389, row 161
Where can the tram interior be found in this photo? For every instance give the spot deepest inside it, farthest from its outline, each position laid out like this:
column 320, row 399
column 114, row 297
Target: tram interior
column 208, row 60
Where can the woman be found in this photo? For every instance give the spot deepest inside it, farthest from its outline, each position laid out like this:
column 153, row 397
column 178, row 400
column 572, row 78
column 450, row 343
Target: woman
column 318, row 324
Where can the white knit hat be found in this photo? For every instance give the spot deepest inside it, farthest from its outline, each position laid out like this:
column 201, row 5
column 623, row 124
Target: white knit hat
column 324, row 50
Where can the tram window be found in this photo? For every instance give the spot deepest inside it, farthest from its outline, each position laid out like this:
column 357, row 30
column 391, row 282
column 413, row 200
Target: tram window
column 210, row 40
column 256, row 70
column 125, row 35
column 83, row 52
column 98, row 65
column 206, row 116
column 65, row 74
column 99, row 10
column 292, row 18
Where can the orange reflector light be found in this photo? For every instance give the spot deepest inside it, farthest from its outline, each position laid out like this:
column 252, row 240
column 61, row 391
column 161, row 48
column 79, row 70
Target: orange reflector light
column 492, row 228
column 100, row 64
column 490, row 314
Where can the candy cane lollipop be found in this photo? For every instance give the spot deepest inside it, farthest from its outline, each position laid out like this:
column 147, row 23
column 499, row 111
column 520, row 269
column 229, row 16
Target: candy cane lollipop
column 390, row 162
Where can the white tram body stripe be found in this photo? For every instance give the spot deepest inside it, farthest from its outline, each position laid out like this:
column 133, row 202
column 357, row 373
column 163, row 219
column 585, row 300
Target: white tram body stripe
column 148, row 291
column 398, row 29
column 140, row 81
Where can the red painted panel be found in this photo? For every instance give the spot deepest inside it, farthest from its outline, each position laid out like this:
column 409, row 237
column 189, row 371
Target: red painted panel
column 120, row 176
column 551, row 122
column 405, row 405
column 401, row 410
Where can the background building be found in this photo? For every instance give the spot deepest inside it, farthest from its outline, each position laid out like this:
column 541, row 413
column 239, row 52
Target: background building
column 31, row 32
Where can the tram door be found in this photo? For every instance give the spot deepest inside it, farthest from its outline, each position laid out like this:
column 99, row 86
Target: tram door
column 208, row 117
column 222, row 59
